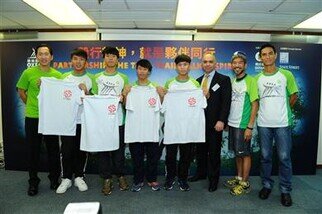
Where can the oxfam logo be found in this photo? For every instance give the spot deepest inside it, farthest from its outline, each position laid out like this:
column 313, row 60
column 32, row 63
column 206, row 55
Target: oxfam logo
column 32, row 60
column 257, row 57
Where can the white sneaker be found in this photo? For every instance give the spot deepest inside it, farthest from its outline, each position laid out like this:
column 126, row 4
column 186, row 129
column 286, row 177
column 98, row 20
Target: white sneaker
column 65, row 184
column 80, row 183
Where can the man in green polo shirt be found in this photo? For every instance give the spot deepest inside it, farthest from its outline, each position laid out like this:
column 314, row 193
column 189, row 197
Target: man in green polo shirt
column 28, row 89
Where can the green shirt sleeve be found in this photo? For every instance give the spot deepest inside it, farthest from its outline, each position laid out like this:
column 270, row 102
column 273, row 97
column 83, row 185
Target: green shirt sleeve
column 56, row 74
column 125, row 78
column 291, row 84
column 167, row 84
column 252, row 89
column 94, row 84
column 195, row 82
column 23, row 82
column 154, row 84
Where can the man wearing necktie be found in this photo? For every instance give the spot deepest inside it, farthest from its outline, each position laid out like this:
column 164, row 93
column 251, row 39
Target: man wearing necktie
column 217, row 89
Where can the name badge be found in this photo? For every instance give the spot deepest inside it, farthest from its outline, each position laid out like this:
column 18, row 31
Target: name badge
column 215, row 87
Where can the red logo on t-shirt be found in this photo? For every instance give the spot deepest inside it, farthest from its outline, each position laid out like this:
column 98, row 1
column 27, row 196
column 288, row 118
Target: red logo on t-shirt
column 192, row 101
column 68, row 94
column 152, row 101
column 111, row 109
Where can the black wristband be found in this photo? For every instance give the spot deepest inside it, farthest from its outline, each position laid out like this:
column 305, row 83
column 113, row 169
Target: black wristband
column 249, row 128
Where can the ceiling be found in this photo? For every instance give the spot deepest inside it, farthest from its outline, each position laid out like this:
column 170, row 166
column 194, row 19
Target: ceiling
column 251, row 15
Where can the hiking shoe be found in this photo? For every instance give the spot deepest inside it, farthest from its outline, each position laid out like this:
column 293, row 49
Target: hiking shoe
column 137, row 187
column 107, row 187
column 286, row 199
column 242, row 188
column 65, row 184
column 232, row 182
column 123, row 183
column 168, row 185
column 155, row 186
column 183, row 184
column 80, row 183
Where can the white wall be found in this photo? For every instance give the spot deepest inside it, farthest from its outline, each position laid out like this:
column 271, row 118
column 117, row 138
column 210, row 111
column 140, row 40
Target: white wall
column 1, row 135
column 319, row 158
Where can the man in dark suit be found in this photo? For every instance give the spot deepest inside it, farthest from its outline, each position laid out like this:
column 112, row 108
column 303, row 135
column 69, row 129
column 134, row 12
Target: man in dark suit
column 217, row 88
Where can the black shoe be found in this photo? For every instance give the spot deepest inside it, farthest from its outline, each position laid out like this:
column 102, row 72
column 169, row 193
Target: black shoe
column 168, row 185
column 286, row 199
column 196, row 178
column 212, row 186
column 264, row 193
column 183, row 184
column 32, row 190
column 54, row 185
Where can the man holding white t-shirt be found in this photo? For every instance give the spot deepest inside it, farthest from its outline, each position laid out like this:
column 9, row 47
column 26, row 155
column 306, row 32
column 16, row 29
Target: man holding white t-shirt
column 173, row 139
column 110, row 82
column 73, row 159
column 142, row 126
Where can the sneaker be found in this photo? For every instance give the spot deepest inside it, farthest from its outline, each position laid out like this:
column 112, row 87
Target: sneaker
column 232, row 182
column 155, row 186
column 33, row 189
column 168, row 185
column 264, row 193
column 107, row 187
column 80, row 183
column 54, row 184
column 183, row 184
column 137, row 187
column 123, row 183
column 242, row 188
column 65, row 184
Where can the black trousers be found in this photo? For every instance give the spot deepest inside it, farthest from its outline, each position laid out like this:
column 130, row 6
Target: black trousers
column 184, row 161
column 34, row 140
column 73, row 159
column 113, row 162
column 208, row 156
column 138, row 152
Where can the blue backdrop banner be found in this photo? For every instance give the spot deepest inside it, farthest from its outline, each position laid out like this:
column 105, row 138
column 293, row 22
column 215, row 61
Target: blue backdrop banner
column 304, row 60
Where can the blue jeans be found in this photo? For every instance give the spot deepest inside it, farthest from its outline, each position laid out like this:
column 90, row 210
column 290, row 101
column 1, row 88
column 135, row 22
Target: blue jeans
column 283, row 142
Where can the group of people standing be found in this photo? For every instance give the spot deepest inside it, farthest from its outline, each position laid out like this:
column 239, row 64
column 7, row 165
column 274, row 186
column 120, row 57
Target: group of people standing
column 234, row 105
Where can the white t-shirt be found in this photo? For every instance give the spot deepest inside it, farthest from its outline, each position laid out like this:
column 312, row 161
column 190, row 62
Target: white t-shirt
column 274, row 91
column 184, row 116
column 100, row 130
column 111, row 84
column 85, row 79
column 58, row 102
column 142, row 121
column 244, row 92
